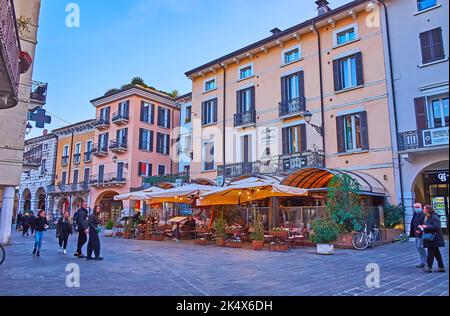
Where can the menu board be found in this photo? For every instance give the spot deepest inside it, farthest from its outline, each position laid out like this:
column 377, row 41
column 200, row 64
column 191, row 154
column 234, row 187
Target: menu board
column 439, row 208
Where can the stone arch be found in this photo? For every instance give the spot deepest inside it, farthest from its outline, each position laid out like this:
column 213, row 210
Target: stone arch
column 41, row 199
column 109, row 208
column 26, row 200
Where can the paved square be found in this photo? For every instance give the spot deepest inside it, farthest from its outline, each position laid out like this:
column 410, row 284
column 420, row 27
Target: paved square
column 134, row 267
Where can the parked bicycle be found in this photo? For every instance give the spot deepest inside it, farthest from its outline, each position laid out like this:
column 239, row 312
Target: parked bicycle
column 366, row 239
column 2, row 254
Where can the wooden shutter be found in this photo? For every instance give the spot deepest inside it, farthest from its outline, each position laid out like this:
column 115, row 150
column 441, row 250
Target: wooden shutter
column 203, row 113
column 284, row 140
column 108, row 113
column 301, row 84
column 150, row 135
column 169, row 118
column 141, row 132
column 283, row 90
column 159, row 116
column 303, row 144
column 140, row 173
column 142, row 111
column 437, row 44
column 421, row 113
column 340, row 134
column 158, row 142
column 253, row 98
column 364, row 130
column 238, row 101
column 168, row 144
column 425, row 46
column 337, row 74
column 215, row 102
column 152, row 113
column 127, row 108
column 359, row 69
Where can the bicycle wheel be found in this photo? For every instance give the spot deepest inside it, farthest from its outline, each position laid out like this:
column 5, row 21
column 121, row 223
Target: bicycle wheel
column 360, row 241
column 2, row 254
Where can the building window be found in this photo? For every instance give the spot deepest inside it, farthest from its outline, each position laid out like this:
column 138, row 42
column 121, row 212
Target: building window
column 75, row 176
column 210, row 85
column 209, row 112
column 161, row 170
column 120, row 171
column 346, row 36
column 348, row 72
column 294, row 139
column 245, row 100
column 352, row 132
column 145, row 139
column 188, row 114
column 104, row 114
column 162, row 143
column 145, row 169
column 63, row 178
column 438, row 112
column 208, row 156
column 147, row 112
column 43, row 166
column 103, row 142
column 432, row 46
column 101, row 173
column 123, row 108
column 245, row 72
column 87, row 174
column 291, row 55
column 425, row 4
column 163, row 117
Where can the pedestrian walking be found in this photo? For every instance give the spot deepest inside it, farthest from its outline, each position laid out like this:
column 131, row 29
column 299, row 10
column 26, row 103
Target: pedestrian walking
column 19, row 221
column 432, row 239
column 94, row 240
column 417, row 220
column 64, row 229
column 80, row 219
column 41, row 225
column 26, row 222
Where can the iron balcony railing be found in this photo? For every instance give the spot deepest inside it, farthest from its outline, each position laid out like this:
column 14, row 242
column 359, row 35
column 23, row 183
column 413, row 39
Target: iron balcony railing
column 119, row 145
column 274, row 165
column 412, row 140
column 101, row 123
column 108, row 179
column 119, row 117
column 10, row 42
column 64, row 160
column 245, row 118
column 33, row 157
column 76, row 159
column 38, row 92
column 88, row 156
column 68, row 188
column 293, row 106
column 99, row 149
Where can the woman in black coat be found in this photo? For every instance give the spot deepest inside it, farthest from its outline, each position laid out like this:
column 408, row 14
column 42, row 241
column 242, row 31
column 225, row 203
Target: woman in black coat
column 63, row 230
column 93, row 230
column 433, row 226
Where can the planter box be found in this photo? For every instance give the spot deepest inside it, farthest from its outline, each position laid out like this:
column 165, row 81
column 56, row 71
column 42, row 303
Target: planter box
column 220, row 242
column 233, row 244
column 108, row 233
column 148, row 236
column 389, row 234
column 158, row 238
column 201, row 242
column 127, row 235
column 119, row 234
column 324, row 249
column 279, row 234
column 257, row 245
column 345, row 239
column 233, row 231
column 279, row 248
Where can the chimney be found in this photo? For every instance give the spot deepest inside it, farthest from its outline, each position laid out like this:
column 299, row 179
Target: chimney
column 322, row 7
column 45, row 132
column 275, row 31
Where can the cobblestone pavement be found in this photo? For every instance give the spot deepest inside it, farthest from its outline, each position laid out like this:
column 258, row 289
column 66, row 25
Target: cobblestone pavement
column 183, row 269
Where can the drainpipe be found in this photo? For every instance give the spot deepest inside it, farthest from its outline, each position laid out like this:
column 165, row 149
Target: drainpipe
column 394, row 102
column 322, row 105
column 224, row 112
column 70, row 169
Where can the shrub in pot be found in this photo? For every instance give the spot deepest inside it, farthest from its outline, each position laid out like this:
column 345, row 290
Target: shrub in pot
column 220, row 231
column 324, row 233
column 393, row 220
column 109, row 228
column 257, row 235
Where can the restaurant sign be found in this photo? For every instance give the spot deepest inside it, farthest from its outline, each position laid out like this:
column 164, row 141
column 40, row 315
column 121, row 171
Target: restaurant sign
column 435, row 137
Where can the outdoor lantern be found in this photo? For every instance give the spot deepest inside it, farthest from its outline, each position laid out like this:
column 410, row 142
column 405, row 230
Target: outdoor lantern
column 114, row 159
column 308, row 116
column 28, row 128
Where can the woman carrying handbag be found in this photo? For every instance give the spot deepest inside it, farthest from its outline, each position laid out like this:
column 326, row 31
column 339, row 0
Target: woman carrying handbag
column 432, row 239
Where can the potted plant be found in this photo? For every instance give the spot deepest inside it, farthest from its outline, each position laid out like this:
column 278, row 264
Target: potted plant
column 109, row 228
column 257, row 235
column 279, row 232
column 393, row 220
column 201, row 242
column 220, row 231
column 128, row 231
column 279, row 246
column 324, row 233
column 148, row 231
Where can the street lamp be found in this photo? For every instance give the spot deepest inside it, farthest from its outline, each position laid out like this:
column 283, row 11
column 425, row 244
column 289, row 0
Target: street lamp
column 115, row 159
column 308, row 116
column 28, row 128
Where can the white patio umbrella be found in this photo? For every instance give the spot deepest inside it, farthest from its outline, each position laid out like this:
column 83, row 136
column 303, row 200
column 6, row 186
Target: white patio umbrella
column 138, row 195
column 183, row 194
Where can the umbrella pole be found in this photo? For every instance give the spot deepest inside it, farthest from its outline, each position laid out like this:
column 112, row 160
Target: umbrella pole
column 211, row 219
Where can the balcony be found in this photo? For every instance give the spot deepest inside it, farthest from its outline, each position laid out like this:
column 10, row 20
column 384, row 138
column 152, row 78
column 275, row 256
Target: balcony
column 68, row 188
column 423, row 139
column 245, row 119
column 120, row 118
column 100, row 150
column 87, row 156
column 107, row 180
column 9, row 55
column 101, row 124
column 118, row 146
column 292, row 107
column 38, row 94
column 76, row 159
column 277, row 165
column 32, row 158
column 64, row 161
column 171, row 178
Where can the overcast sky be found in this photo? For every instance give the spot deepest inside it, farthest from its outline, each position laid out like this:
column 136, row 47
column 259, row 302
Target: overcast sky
column 158, row 40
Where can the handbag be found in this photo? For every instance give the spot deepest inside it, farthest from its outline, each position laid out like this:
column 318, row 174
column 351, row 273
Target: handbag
column 428, row 236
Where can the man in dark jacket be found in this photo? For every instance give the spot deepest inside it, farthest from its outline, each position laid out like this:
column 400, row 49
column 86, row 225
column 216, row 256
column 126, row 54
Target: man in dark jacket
column 433, row 226
column 417, row 220
column 80, row 219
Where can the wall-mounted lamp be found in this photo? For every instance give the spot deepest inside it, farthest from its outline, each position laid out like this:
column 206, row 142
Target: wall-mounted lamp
column 308, row 116
column 115, row 159
column 28, row 128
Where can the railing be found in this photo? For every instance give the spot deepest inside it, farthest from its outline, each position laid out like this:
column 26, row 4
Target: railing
column 108, row 179
column 88, row 156
column 100, row 149
column 10, row 42
column 120, row 117
column 76, row 159
column 245, row 118
column 294, row 106
column 274, row 165
column 33, row 157
column 101, row 123
column 412, row 140
column 172, row 178
column 38, row 92
column 64, row 160
column 118, row 145
column 68, row 188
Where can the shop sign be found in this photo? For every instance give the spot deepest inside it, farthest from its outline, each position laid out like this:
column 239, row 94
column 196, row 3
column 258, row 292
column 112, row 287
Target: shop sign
column 435, row 137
